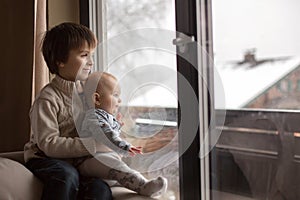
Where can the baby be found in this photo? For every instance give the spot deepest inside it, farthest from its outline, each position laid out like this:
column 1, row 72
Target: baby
column 102, row 94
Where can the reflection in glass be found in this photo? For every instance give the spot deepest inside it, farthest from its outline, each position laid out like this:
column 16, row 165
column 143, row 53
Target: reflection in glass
column 149, row 83
column 257, row 55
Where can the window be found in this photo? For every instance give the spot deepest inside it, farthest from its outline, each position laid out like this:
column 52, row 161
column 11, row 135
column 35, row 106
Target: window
column 247, row 98
column 136, row 46
column 256, row 54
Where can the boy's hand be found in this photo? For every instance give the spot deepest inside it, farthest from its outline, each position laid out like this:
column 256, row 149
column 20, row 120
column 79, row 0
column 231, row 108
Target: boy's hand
column 135, row 150
column 119, row 118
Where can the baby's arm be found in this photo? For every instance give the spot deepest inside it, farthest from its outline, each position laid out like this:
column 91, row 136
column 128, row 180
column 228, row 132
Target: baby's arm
column 104, row 133
column 114, row 137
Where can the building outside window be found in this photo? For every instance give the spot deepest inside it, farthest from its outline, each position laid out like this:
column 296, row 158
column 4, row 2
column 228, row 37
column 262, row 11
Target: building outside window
column 253, row 46
column 257, row 56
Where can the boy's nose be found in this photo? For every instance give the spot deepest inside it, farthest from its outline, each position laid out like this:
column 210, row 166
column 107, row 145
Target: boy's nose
column 90, row 60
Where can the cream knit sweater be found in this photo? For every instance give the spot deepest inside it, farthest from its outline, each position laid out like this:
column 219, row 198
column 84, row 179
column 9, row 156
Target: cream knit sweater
column 53, row 131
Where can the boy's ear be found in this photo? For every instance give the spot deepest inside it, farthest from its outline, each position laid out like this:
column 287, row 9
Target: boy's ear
column 96, row 99
column 60, row 64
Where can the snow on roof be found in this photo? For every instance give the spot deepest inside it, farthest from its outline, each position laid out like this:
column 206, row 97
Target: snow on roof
column 243, row 83
column 156, row 97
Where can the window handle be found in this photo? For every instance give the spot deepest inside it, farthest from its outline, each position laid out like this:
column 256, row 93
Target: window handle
column 182, row 41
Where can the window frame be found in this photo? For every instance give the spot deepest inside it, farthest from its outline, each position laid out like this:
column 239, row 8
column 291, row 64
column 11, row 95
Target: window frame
column 193, row 171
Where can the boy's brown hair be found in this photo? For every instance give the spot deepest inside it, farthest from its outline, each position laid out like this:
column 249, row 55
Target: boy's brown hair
column 61, row 39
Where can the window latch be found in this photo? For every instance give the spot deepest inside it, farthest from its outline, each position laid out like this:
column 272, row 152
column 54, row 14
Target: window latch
column 182, row 41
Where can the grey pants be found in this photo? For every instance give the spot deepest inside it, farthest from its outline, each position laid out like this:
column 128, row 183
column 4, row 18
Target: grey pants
column 110, row 166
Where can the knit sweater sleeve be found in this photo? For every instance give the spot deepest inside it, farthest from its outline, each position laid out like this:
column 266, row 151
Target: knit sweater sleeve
column 48, row 138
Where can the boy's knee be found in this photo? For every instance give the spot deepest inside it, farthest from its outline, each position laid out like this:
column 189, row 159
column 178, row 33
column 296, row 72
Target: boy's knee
column 96, row 188
column 69, row 176
column 72, row 177
column 104, row 189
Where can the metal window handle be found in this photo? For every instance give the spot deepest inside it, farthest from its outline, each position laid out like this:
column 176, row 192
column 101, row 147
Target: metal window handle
column 182, row 40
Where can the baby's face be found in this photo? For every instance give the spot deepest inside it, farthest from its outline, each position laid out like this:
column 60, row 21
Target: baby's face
column 110, row 97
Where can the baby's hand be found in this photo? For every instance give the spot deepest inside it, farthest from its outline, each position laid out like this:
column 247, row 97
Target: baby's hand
column 119, row 118
column 135, row 150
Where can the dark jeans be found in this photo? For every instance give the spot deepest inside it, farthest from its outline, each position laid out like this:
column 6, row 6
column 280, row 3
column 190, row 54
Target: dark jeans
column 63, row 182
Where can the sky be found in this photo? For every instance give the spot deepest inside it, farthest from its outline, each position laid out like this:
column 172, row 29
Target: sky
column 145, row 74
column 270, row 26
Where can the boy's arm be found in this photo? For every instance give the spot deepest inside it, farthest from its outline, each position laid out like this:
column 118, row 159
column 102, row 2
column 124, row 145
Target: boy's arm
column 48, row 138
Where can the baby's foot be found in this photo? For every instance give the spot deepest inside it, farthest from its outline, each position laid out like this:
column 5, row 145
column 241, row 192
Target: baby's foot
column 154, row 187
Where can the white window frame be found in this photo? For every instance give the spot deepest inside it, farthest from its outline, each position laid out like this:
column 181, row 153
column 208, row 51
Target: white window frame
column 96, row 17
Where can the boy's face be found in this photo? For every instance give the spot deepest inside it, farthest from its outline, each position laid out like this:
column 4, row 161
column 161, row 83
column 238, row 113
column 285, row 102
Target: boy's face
column 78, row 64
column 110, row 97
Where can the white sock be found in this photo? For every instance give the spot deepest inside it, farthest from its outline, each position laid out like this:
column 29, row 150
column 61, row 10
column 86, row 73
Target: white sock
column 154, row 187
column 138, row 183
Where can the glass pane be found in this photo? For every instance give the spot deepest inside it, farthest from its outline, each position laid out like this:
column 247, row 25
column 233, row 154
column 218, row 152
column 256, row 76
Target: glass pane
column 139, row 52
column 257, row 57
column 257, row 52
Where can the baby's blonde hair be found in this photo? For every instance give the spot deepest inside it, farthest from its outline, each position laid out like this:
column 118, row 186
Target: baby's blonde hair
column 96, row 82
